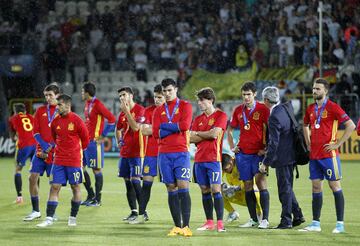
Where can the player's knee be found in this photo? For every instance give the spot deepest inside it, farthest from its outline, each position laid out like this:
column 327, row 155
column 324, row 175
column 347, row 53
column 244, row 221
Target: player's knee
column 316, row 187
column 171, row 187
column 55, row 188
column 249, row 185
column 216, row 188
column 335, row 185
column 205, row 189
column 33, row 178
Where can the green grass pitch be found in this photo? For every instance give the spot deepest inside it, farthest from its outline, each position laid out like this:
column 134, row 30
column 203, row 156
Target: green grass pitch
column 104, row 226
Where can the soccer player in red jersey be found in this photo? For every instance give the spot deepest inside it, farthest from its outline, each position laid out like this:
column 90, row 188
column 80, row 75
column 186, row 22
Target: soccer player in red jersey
column 131, row 144
column 251, row 117
column 71, row 137
column 171, row 125
column 42, row 160
column 151, row 153
column 21, row 126
column 321, row 122
column 207, row 132
column 95, row 115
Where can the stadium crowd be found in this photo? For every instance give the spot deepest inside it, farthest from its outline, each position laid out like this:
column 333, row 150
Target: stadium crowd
column 224, row 35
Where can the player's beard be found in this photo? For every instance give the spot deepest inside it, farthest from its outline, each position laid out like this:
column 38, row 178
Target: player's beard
column 318, row 97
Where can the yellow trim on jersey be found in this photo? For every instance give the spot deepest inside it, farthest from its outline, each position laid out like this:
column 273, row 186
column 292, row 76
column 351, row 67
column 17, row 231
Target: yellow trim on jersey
column 16, row 154
column 98, row 124
column 218, row 145
column 334, row 131
column 187, row 135
column 336, row 167
column 141, row 145
column 82, row 175
column 264, row 133
column 98, row 155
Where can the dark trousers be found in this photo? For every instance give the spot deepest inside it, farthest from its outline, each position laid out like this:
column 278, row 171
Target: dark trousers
column 287, row 197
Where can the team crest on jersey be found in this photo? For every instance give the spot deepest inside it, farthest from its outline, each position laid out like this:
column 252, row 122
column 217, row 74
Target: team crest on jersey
column 71, row 126
column 324, row 114
column 211, row 122
column 256, row 116
column 146, row 169
column 44, row 114
column 163, row 113
column 58, row 128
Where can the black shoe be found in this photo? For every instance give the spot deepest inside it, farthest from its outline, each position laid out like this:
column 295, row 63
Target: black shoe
column 87, row 201
column 282, row 226
column 132, row 216
column 146, row 216
column 94, row 203
column 298, row 221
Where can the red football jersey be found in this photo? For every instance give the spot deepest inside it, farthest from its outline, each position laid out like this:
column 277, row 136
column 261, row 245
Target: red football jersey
column 177, row 142
column 23, row 125
column 42, row 121
column 133, row 141
column 331, row 117
column 95, row 113
column 152, row 146
column 71, row 137
column 253, row 139
column 210, row 150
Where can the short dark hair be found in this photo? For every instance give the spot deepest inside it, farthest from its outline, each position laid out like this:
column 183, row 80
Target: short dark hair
column 323, row 81
column 126, row 89
column 53, row 87
column 168, row 81
column 65, row 98
column 19, row 108
column 158, row 89
column 249, row 86
column 90, row 88
column 225, row 159
column 206, row 93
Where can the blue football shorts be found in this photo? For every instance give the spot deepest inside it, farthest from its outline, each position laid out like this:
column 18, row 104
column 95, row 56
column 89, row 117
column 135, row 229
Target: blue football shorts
column 150, row 166
column 208, row 173
column 39, row 166
column 129, row 167
column 174, row 166
column 21, row 155
column 248, row 165
column 328, row 168
column 63, row 174
column 94, row 155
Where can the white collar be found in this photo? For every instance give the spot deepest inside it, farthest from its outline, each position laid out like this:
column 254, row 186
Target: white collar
column 273, row 106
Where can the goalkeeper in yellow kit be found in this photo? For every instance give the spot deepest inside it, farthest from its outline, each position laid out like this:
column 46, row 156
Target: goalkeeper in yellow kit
column 233, row 189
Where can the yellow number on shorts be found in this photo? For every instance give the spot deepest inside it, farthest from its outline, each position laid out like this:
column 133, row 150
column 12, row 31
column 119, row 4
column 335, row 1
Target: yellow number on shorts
column 329, row 173
column 76, row 176
column 27, row 124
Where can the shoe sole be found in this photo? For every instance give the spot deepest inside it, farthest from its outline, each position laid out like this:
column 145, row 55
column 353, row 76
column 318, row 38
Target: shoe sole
column 28, row 220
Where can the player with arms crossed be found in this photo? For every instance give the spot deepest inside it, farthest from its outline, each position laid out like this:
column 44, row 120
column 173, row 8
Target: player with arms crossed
column 150, row 160
column 71, row 137
column 171, row 125
column 42, row 160
column 131, row 144
column 21, row 126
column 207, row 132
column 95, row 115
column 321, row 122
column 251, row 117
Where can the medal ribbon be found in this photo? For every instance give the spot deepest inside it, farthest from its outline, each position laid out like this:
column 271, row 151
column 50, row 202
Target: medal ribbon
column 90, row 106
column 245, row 119
column 50, row 117
column 318, row 116
column 170, row 117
